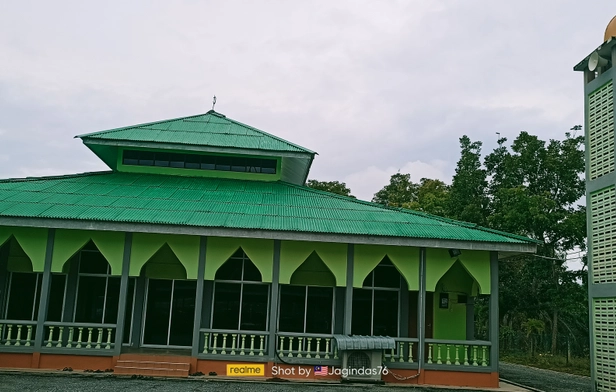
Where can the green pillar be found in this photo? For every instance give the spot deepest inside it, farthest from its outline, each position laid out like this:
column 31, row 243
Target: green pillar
column 119, row 336
column 45, row 290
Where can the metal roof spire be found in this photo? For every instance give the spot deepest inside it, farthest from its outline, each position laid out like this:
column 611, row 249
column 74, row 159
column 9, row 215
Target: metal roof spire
column 213, row 102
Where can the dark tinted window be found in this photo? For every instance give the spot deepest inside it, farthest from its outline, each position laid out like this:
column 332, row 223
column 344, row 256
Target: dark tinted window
column 202, row 162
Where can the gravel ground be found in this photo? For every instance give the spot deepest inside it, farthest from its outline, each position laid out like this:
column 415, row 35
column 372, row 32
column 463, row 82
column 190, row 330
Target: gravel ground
column 77, row 382
column 545, row 380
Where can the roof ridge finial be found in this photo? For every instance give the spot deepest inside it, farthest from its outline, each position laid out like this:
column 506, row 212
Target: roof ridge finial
column 213, row 102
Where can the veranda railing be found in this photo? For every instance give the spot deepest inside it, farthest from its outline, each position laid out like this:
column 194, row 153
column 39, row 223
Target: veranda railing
column 306, row 346
column 405, row 352
column 85, row 337
column 224, row 342
column 17, row 333
column 453, row 353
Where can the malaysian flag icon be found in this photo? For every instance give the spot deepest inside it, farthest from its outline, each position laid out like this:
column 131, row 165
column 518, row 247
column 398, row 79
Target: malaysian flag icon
column 320, row 370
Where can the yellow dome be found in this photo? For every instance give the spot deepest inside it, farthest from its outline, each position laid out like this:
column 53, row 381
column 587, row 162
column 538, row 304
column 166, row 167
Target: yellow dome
column 610, row 31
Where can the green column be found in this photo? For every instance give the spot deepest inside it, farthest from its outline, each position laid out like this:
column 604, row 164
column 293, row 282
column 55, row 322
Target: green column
column 421, row 309
column 348, row 298
column 45, row 289
column 273, row 313
column 494, row 311
column 119, row 337
column 199, row 297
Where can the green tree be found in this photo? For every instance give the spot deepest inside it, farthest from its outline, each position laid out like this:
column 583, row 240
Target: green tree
column 432, row 197
column 534, row 190
column 339, row 188
column 400, row 190
column 467, row 196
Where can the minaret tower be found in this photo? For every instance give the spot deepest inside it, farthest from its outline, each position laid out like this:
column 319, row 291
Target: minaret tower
column 599, row 70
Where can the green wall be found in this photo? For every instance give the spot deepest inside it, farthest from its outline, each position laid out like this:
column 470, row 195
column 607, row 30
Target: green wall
column 294, row 253
column 476, row 263
column 184, row 247
column 33, row 241
column 68, row 242
column 405, row 259
column 219, row 249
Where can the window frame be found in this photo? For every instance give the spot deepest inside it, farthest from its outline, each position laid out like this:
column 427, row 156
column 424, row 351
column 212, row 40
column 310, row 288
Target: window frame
column 244, row 258
column 105, row 275
column 373, row 289
column 306, row 287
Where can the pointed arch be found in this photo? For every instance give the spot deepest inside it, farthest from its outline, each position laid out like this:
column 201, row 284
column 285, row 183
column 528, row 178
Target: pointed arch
column 295, row 253
column 313, row 272
column 18, row 260
column 405, row 259
column 33, row 241
column 164, row 264
column 475, row 263
column 220, row 249
column 68, row 242
column 457, row 280
column 184, row 247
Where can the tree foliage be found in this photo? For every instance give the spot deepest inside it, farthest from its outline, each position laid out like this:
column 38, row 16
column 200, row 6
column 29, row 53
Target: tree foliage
column 399, row 191
column 339, row 188
column 467, row 197
column 432, row 197
column 531, row 188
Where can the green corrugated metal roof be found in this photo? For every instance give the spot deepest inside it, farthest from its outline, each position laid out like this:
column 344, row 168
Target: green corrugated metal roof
column 209, row 129
column 225, row 203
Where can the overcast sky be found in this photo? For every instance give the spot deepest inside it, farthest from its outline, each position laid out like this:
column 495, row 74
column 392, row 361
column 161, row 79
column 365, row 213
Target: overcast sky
column 373, row 86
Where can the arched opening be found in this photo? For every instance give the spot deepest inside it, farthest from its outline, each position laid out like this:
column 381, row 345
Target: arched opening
column 170, row 301
column 376, row 306
column 22, row 285
column 307, row 304
column 240, row 297
column 98, row 292
column 452, row 305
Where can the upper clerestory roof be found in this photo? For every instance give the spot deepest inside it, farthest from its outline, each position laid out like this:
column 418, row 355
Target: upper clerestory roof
column 211, row 129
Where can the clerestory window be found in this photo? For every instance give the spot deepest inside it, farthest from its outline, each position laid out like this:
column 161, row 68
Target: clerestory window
column 200, row 161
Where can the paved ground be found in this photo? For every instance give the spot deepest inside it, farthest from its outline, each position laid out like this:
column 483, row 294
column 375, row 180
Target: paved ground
column 545, row 380
column 104, row 383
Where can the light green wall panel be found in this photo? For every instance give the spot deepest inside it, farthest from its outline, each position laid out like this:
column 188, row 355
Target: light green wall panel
column 449, row 324
column 219, row 249
column 294, row 253
column 476, row 263
column 438, row 262
column 405, row 259
column 165, row 265
column 69, row 242
column 313, row 272
column 33, row 241
column 185, row 248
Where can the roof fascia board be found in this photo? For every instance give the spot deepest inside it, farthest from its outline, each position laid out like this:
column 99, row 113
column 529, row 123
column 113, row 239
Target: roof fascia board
column 193, row 147
column 267, row 234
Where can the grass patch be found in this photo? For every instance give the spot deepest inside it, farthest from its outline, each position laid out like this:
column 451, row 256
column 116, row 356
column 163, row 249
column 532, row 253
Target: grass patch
column 579, row 366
